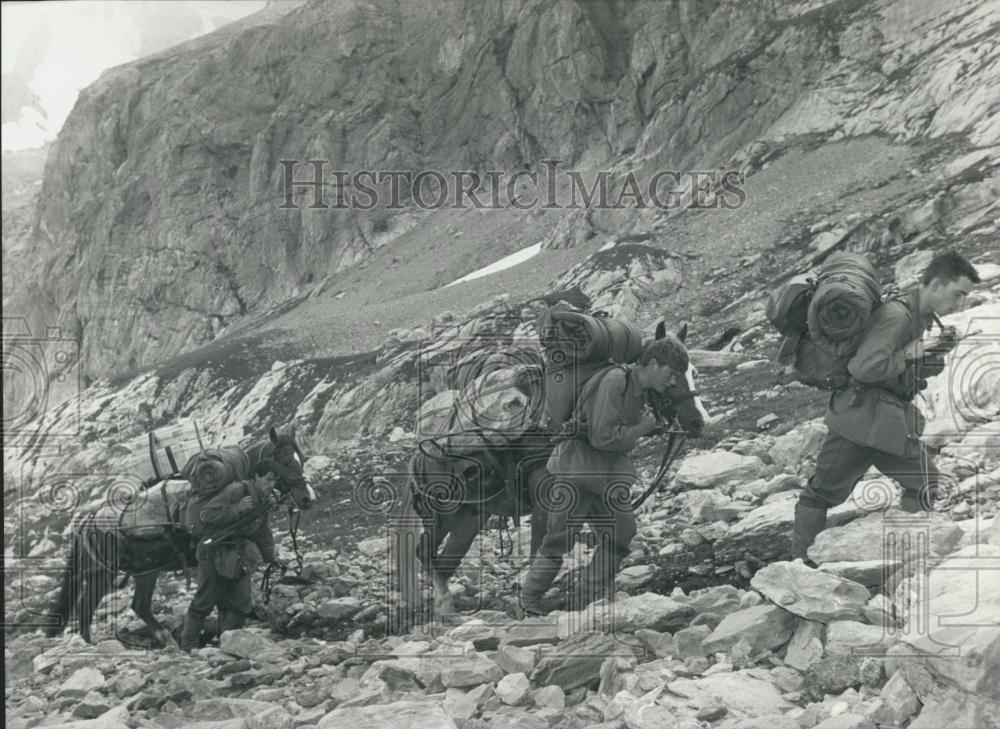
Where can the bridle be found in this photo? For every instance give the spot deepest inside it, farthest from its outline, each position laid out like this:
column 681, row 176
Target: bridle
column 664, row 403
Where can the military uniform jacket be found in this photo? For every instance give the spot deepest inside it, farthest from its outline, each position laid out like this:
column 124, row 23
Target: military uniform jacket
column 879, row 417
column 252, row 544
column 599, row 456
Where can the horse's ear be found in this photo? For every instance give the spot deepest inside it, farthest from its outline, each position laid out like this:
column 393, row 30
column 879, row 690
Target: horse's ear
column 293, row 431
column 273, row 435
column 661, row 330
column 682, row 334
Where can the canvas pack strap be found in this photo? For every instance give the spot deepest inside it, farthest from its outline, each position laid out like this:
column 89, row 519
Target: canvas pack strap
column 590, row 387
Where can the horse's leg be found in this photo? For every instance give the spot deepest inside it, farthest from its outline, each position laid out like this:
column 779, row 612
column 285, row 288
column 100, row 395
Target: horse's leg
column 142, row 605
column 464, row 528
column 99, row 577
column 69, row 590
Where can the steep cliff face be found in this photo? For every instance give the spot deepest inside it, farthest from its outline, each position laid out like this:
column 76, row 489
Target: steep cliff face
column 160, row 223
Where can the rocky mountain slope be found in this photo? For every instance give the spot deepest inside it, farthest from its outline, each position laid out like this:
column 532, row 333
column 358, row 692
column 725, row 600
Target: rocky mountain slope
column 159, row 224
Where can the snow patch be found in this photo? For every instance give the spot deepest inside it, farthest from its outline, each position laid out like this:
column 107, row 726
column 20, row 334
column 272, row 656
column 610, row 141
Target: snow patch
column 504, row 263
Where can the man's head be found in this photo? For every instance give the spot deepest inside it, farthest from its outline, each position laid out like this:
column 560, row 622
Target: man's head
column 947, row 281
column 661, row 362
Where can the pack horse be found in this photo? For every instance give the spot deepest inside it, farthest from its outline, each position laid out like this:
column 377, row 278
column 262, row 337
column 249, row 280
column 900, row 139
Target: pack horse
column 453, row 491
column 114, row 540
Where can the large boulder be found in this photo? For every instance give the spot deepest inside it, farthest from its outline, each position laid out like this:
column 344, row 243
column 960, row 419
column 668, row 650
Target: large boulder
column 882, row 536
column 715, row 468
column 967, row 393
column 81, row 682
column 577, row 660
column 765, row 533
column 853, row 638
column 651, row 611
column 795, row 451
column 957, row 709
column 809, row 593
column 743, row 695
column 961, row 640
column 764, row 627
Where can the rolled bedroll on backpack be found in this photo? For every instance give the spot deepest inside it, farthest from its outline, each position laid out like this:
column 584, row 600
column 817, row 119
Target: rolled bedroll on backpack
column 571, row 338
column 847, row 291
column 215, row 468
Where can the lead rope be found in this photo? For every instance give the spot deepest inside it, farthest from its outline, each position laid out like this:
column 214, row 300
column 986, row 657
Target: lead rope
column 674, row 446
column 294, row 516
column 503, row 525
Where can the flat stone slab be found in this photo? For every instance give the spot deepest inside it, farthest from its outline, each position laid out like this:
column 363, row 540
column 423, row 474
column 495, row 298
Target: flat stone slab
column 870, row 573
column 762, row 626
column 884, row 536
column 809, row 593
column 408, row 714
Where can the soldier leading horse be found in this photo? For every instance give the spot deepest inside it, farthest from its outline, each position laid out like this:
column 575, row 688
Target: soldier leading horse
column 99, row 551
column 454, row 496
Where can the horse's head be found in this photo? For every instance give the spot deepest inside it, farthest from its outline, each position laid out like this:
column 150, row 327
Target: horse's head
column 283, row 458
column 681, row 400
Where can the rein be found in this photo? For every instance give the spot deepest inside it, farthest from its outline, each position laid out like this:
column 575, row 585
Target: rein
column 266, row 586
column 674, row 446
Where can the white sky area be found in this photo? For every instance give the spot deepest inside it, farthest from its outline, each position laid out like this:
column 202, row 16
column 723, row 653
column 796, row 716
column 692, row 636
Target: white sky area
column 86, row 37
column 507, row 262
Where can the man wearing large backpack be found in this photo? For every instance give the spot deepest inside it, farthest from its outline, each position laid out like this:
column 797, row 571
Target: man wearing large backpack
column 874, row 421
column 234, row 538
column 592, row 471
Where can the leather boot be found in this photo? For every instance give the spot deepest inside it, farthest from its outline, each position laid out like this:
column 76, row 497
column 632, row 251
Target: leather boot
column 541, row 574
column 809, row 521
column 191, row 632
column 918, row 502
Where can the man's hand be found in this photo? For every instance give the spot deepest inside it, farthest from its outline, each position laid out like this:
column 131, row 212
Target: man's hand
column 246, row 504
column 932, row 364
column 648, row 423
column 946, row 341
column 914, row 351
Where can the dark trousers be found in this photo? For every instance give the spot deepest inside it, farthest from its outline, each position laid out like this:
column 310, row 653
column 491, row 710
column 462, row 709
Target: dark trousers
column 612, row 523
column 841, row 464
column 229, row 595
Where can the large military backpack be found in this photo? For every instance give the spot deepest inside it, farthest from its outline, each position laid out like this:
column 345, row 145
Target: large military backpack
column 824, row 318
column 580, row 349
